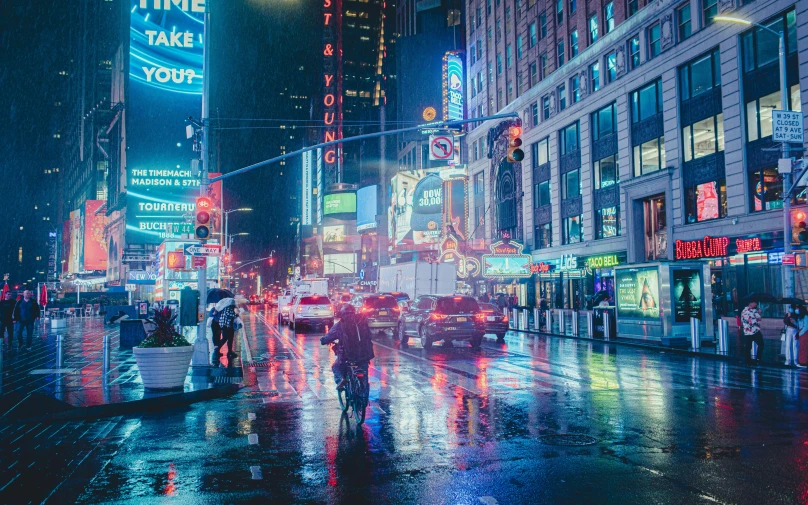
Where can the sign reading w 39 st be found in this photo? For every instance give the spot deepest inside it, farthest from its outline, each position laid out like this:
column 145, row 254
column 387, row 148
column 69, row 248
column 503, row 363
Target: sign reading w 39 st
column 165, row 88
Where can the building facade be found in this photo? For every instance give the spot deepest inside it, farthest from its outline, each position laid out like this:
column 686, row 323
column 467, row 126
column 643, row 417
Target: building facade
column 647, row 139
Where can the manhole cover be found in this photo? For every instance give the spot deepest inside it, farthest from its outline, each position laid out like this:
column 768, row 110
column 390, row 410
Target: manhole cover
column 568, row 439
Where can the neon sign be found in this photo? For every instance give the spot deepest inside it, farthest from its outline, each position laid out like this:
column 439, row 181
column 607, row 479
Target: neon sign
column 449, row 253
column 708, row 247
column 452, row 87
column 608, row 260
column 332, row 86
column 744, row 245
column 507, row 261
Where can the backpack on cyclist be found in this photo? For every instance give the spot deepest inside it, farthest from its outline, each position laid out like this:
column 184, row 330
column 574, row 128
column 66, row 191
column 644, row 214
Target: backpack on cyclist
column 356, row 344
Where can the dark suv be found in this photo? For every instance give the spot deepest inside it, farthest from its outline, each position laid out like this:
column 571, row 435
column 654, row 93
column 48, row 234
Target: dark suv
column 495, row 321
column 436, row 317
column 382, row 311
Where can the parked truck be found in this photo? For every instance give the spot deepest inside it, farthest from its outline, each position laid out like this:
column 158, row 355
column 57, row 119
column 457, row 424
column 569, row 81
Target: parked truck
column 418, row 278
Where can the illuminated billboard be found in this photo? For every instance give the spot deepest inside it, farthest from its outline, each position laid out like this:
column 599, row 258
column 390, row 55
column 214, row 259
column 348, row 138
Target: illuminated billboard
column 452, row 87
column 344, row 263
column 518, row 266
column 334, row 233
column 339, row 203
column 366, row 208
column 165, row 88
column 638, row 293
column 95, row 247
column 305, row 203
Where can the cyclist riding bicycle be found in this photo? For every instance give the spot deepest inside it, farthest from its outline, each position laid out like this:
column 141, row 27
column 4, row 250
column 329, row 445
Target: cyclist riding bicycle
column 353, row 345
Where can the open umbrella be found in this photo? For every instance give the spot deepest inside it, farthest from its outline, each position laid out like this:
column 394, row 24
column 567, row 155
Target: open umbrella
column 791, row 301
column 758, row 297
column 43, row 296
column 216, row 294
column 600, row 296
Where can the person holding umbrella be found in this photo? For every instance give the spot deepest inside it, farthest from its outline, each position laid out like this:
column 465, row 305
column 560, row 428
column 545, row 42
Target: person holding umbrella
column 791, row 320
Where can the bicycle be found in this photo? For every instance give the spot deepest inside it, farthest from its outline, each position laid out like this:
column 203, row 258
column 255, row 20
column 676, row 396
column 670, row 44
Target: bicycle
column 354, row 390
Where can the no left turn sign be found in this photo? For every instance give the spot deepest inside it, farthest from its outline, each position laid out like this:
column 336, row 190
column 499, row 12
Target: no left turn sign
column 441, row 147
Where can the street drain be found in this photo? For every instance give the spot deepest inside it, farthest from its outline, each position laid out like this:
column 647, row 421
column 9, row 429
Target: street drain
column 260, row 364
column 568, row 439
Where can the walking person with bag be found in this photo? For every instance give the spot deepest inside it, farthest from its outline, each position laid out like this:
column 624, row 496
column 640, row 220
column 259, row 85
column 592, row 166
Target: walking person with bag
column 791, row 320
column 227, row 321
column 26, row 312
column 216, row 330
column 750, row 320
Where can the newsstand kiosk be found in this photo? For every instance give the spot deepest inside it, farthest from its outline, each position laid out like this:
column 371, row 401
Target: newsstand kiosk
column 656, row 301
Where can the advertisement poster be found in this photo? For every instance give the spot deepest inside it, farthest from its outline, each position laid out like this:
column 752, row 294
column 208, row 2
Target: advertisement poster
column 366, row 208
column 638, row 293
column 65, row 256
column 76, row 237
column 456, row 206
column 339, row 203
column 707, row 201
column 95, row 247
column 334, row 233
column 452, row 87
column 686, row 295
column 165, row 70
column 516, row 266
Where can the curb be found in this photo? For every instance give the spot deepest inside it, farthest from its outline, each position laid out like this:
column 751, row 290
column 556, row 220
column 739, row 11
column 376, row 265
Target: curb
column 672, row 350
column 144, row 405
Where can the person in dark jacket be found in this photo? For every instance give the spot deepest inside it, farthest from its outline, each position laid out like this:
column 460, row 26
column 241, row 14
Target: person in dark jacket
column 26, row 312
column 353, row 344
column 7, row 317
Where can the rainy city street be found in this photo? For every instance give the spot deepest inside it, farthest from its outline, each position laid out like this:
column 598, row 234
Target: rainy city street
column 533, row 420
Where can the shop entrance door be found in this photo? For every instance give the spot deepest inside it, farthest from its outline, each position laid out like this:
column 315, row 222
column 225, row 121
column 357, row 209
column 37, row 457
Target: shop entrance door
column 656, row 228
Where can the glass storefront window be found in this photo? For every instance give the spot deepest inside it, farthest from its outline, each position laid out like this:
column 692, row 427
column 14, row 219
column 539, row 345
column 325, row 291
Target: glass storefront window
column 706, row 201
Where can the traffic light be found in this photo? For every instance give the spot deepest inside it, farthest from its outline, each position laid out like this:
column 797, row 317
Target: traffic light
column 271, row 261
column 204, row 207
column 515, row 154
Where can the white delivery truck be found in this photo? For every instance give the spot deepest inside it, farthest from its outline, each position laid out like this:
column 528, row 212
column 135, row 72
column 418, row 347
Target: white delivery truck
column 312, row 286
column 418, row 278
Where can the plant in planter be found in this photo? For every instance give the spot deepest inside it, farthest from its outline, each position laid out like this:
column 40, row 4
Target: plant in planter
column 164, row 355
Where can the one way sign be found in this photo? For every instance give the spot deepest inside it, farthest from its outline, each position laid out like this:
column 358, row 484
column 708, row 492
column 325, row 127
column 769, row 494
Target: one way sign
column 202, row 250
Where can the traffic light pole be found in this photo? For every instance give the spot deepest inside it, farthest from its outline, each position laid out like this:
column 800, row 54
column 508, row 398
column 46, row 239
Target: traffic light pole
column 201, row 350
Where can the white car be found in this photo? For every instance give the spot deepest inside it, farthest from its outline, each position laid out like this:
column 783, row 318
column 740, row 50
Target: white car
column 285, row 303
column 311, row 309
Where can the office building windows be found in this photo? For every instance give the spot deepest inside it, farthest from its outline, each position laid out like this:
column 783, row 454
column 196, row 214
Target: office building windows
column 573, row 44
column 654, row 41
column 560, row 53
column 634, row 52
column 594, row 76
column 608, row 16
column 593, row 29
column 683, row 21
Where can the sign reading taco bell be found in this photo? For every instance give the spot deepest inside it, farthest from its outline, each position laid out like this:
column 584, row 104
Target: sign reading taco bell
column 452, row 87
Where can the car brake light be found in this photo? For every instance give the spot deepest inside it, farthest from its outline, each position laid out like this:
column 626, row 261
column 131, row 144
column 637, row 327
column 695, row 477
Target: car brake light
column 437, row 317
column 300, row 309
column 504, row 319
column 480, row 316
column 396, row 309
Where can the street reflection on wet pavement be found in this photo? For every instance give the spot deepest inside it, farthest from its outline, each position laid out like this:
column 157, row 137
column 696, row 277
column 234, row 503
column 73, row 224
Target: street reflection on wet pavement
column 454, row 425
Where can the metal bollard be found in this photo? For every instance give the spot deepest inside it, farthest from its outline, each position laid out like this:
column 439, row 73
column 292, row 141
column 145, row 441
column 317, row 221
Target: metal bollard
column 561, row 321
column 548, row 315
column 695, row 340
column 105, row 350
column 723, row 337
column 607, row 327
column 754, row 351
column 515, row 318
column 525, row 319
column 60, row 357
column 536, row 319
column 574, row 323
column 590, row 323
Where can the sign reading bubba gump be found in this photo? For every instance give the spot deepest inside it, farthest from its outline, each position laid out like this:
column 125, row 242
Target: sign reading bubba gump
column 715, row 247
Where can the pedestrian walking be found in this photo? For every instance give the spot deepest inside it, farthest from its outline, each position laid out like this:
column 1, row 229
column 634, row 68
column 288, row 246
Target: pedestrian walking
column 802, row 339
column 791, row 320
column 750, row 320
column 215, row 329
column 485, row 298
column 26, row 312
column 227, row 319
column 7, row 318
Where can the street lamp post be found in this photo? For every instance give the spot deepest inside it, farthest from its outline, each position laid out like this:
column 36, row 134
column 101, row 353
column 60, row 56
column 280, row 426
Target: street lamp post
column 788, row 280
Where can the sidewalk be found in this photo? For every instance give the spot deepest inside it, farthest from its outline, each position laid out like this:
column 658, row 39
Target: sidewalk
column 34, row 384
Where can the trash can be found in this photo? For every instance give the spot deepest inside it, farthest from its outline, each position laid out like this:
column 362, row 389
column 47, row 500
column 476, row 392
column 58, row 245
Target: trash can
column 597, row 331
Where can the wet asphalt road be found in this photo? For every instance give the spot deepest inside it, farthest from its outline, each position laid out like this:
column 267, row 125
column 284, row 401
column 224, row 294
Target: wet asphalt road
column 459, row 426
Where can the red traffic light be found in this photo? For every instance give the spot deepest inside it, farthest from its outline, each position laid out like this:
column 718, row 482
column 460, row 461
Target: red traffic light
column 271, row 261
column 202, row 217
column 515, row 131
column 204, row 203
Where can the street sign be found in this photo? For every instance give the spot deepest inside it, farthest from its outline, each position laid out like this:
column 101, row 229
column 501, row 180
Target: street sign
column 199, row 261
column 441, row 147
column 788, row 259
column 175, row 260
column 787, row 126
column 202, row 250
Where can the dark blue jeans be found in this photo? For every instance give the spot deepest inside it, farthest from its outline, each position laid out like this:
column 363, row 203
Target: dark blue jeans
column 28, row 326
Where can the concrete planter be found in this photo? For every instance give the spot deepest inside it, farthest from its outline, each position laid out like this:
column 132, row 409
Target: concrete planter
column 163, row 367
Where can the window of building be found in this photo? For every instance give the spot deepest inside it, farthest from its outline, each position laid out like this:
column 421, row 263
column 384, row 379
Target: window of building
column 568, row 139
column 573, row 229
column 607, row 172
column 562, row 97
column 534, row 74
column 649, row 156
column 559, row 11
column 571, row 184
column 488, row 7
column 573, row 44
column 709, row 11
column 760, row 47
column 700, row 75
column 633, row 7
column 545, row 108
column 604, row 122
column 489, row 36
column 479, row 183
column 519, row 46
column 499, row 29
column 534, row 37
column 480, row 80
column 560, row 52
column 543, row 63
column 542, row 25
column 594, row 76
column 500, row 102
column 683, row 19
column 479, row 49
column 611, row 67
column 541, row 194
column 507, row 19
column 607, row 222
column 508, row 56
column 706, row 201
column 646, row 101
column 634, row 52
column 499, row 64
column 491, row 72
column 593, row 29
column 540, row 152
column 510, row 92
column 543, row 236
column 534, row 114
column 473, row 53
column 654, row 40
column 575, row 89
column 759, row 113
column 573, row 7
column 608, row 15
column 479, row 16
